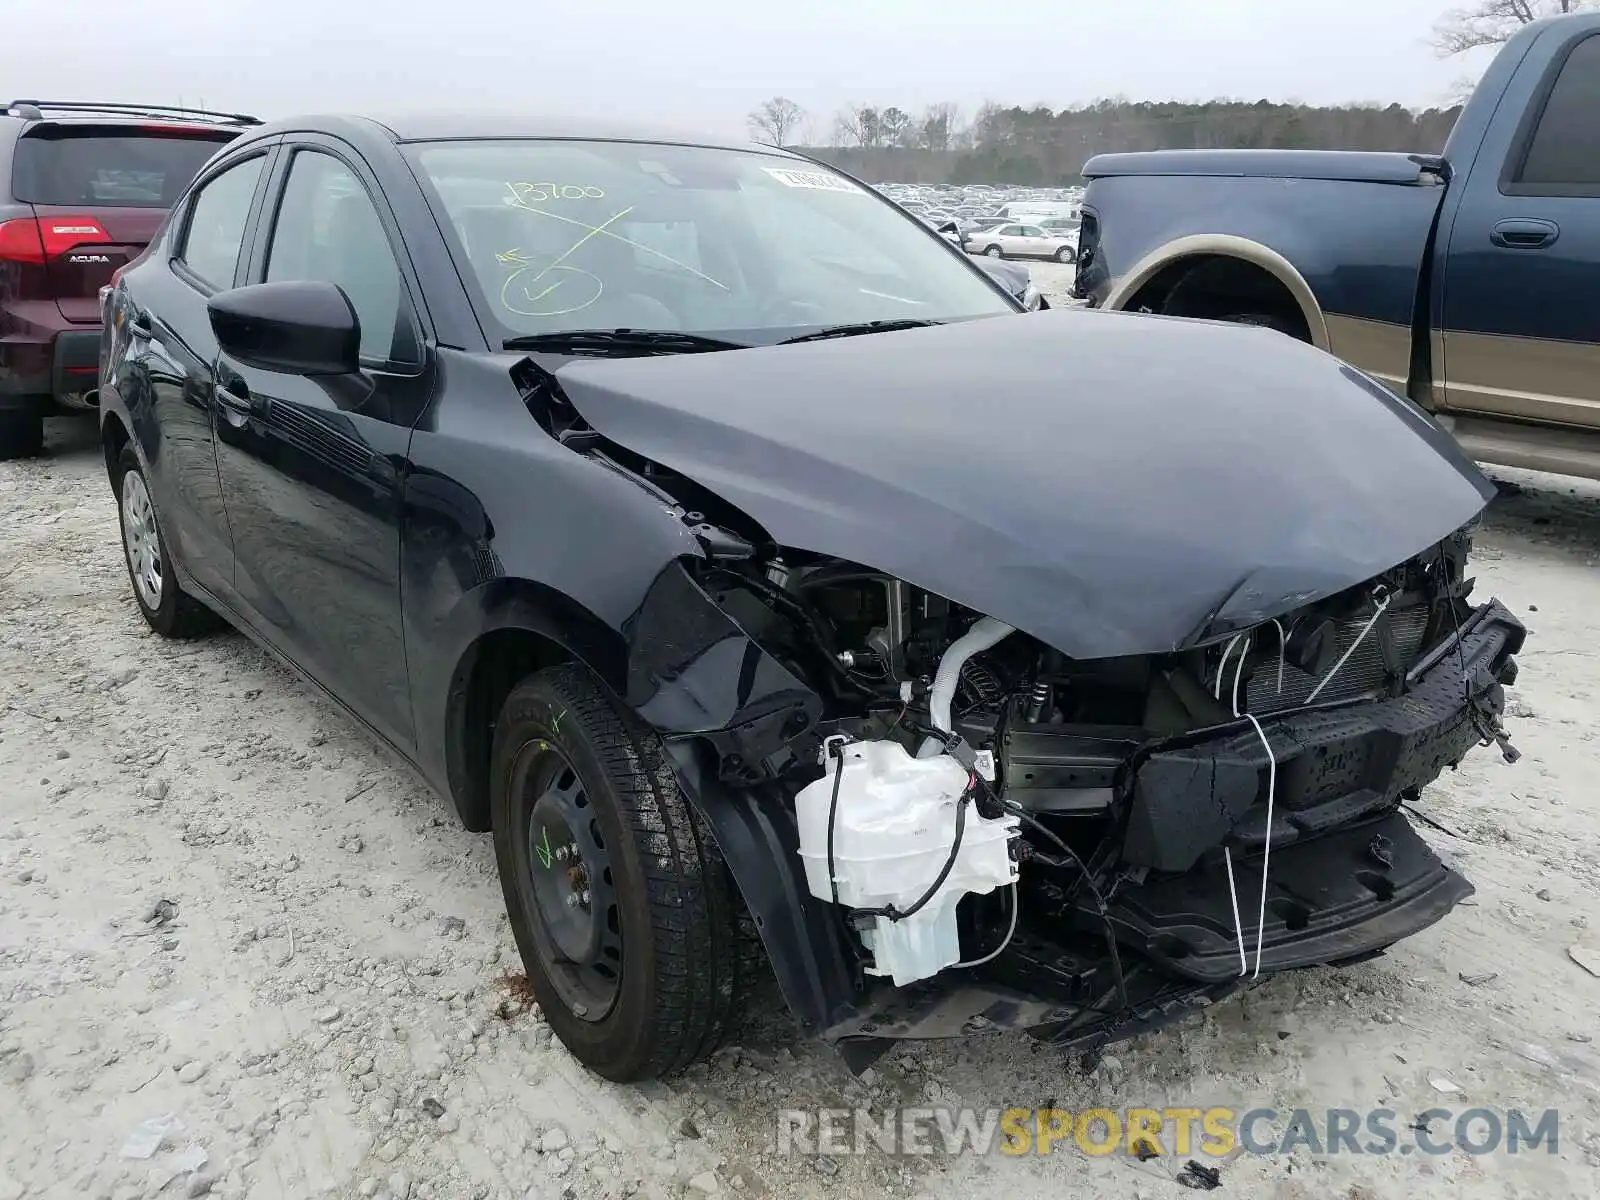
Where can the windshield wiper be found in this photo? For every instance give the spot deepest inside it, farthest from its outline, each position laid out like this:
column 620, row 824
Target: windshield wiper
column 859, row 328
column 620, row 341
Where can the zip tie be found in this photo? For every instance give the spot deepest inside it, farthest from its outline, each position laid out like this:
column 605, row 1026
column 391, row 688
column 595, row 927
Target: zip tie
column 1216, row 690
column 1266, row 855
column 1283, row 650
column 1238, row 671
column 1233, row 894
column 1343, row 658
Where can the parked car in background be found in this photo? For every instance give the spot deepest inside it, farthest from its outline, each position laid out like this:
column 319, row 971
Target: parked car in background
column 643, row 510
column 1064, row 226
column 1015, row 279
column 1022, row 241
column 1466, row 280
column 82, row 188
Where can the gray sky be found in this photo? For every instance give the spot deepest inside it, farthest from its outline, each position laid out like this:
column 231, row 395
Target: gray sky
column 706, row 63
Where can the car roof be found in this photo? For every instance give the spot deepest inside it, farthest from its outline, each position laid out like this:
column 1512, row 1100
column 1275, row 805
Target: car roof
column 137, row 116
column 466, row 125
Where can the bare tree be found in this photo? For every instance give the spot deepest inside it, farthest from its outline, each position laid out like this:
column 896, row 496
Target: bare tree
column 1490, row 22
column 859, row 125
column 776, row 120
column 939, row 127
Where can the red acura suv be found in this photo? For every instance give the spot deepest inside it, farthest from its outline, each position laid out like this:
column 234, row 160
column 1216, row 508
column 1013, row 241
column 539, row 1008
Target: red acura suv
column 83, row 188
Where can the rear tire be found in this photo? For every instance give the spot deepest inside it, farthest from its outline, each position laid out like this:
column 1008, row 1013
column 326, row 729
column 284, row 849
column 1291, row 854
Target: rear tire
column 163, row 603
column 21, row 435
column 1066, row 255
column 662, row 964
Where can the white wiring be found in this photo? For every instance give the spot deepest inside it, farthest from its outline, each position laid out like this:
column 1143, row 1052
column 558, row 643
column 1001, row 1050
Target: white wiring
column 1345, row 657
column 1238, row 671
column 995, row 953
column 1222, row 667
column 1266, row 854
column 1238, row 927
column 1272, row 786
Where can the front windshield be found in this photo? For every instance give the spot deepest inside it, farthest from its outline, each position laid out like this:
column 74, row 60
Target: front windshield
column 565, row 235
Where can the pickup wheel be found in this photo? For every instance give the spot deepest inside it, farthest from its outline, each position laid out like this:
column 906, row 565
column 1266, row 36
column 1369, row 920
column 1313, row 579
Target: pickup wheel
column 163, row 603
column 21, row 435
column 626, row 918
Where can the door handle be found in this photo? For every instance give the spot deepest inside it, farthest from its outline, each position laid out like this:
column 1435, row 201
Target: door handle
column 242, row 406
column 1525, row 233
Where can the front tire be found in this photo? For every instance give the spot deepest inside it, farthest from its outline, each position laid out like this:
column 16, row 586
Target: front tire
column 995, row 252
column 21, row 435
column 623, row 911
column 165, row 606
column 1066, row 255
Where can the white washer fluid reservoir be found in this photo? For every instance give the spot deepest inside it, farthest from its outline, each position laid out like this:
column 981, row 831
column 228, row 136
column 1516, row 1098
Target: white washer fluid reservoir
column 893, row 831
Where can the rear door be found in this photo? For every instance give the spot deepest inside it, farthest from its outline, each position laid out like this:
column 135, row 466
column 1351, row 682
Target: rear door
column 1035, row 242
column 100, row 192
column 1520, row 326
column 166, row 374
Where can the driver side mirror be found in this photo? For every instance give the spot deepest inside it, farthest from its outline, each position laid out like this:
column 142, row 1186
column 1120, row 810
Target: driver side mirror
column 300, row 327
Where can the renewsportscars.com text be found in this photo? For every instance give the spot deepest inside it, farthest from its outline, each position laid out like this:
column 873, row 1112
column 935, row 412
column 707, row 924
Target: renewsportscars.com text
column 1142, row 1132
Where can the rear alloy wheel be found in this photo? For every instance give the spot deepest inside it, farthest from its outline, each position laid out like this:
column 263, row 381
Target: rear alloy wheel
column 166, row 607
column 21, row 435
column 1066, row 255
column 995, row 252
column 624, row 913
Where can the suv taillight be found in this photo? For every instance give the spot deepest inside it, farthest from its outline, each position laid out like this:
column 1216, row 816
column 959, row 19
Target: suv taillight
column 39, row 239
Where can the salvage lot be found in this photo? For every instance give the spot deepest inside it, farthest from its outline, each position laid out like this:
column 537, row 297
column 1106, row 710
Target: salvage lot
column 219, row 903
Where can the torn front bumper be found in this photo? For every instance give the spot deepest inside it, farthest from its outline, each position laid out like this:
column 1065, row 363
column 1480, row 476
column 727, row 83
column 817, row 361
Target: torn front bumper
column 1347, row 874
column 1345, row 895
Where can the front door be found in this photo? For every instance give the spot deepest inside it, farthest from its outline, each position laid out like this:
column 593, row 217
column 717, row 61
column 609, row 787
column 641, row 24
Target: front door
column 312, row 467
column 1521, row 305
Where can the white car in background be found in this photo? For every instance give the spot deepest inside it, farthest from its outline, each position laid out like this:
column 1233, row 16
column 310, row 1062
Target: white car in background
column 1020, row 240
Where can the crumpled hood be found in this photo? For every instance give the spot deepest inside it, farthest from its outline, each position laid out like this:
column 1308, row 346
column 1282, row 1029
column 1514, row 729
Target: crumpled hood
column 1109, row 483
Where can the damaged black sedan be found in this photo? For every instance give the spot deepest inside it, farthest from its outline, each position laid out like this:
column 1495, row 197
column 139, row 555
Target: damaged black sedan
column 784, row 598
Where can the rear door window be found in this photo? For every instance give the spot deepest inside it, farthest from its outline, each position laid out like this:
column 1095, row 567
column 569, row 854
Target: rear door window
column 100, row 167
column 1564, row 155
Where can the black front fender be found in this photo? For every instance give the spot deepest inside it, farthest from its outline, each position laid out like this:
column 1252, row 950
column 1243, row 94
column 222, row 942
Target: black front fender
column 760, row 843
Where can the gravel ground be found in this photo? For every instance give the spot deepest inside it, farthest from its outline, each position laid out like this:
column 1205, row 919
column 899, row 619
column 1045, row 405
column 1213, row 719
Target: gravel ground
column 242, row 951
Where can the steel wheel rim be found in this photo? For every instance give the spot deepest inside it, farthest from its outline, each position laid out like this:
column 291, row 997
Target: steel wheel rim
column 565, row 875
column 141, row 539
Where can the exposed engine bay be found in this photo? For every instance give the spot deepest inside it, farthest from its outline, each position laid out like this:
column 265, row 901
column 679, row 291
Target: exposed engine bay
column 997, row 832
column 971, row 798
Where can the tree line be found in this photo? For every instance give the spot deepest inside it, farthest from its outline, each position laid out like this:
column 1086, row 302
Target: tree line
column 1043, row 146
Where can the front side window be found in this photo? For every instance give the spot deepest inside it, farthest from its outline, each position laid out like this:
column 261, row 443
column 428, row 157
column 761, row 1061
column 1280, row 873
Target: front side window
column 1565, row 151
column 328, row 230
column 562, row 235
column 217, row 219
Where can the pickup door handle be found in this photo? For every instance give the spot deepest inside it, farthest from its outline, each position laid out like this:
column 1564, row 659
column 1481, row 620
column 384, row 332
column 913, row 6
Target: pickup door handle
column 1525, row 233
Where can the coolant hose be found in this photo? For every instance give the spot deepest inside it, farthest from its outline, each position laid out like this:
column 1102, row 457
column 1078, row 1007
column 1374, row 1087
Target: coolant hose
column 984, row 633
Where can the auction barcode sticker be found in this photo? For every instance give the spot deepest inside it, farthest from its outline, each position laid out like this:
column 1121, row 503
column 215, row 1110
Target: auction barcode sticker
column 820, row 181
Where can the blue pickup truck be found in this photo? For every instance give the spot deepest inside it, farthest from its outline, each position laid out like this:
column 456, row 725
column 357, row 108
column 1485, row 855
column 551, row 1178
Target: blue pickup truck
column 1467, row 280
